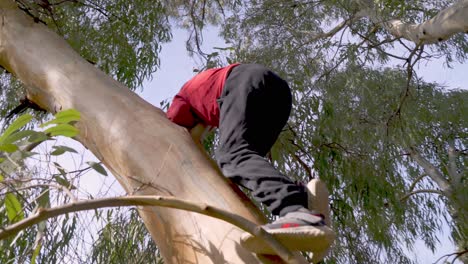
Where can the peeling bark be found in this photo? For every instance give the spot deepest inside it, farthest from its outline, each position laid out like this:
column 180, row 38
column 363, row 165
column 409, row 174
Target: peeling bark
column 450, row 21
column 147, row 153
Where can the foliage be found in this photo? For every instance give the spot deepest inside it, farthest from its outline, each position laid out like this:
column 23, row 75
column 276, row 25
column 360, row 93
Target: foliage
column 355, row 121
column 138, row 246
column 122, row 38
column 21, row 195
column 361, row 116
column 24, row 189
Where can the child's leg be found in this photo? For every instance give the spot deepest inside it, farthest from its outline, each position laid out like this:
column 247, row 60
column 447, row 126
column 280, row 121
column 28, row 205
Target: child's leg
column 254, row 108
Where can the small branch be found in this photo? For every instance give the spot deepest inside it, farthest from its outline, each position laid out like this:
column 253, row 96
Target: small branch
column 406, row 196
column 413, row 185
column 332, row 32
column 59, row 187
column 304, row 165
column 406, row 93
column 456, row 254
column 239, row 221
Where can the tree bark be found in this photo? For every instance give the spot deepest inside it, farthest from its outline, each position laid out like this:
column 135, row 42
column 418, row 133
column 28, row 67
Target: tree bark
column 447, row 22
column 147, row 153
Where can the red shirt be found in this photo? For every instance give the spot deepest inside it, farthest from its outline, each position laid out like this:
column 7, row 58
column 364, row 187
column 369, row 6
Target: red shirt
column 196, row 101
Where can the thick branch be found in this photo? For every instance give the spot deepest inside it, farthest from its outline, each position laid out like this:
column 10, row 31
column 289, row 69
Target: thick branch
column 450, row 21
column 430, row 170
column 170, row 202
column 452, row 165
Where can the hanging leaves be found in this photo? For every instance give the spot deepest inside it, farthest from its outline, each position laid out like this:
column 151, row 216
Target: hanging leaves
column 13, row 208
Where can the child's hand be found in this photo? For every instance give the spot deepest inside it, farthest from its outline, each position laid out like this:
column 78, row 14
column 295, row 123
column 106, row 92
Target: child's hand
column 199, row 131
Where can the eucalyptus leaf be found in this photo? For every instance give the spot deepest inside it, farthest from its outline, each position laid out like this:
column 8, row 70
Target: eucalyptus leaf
column 8, row 148
column 62, row 130
column 59, row 150
column 64, row 117
column 97, row 167
column 19, row 135
column 13, row 207
column 64, row 182
column 38, row 137
column 20, row 122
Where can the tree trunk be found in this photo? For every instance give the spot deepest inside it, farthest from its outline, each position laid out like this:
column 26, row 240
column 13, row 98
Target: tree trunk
column 147, row 153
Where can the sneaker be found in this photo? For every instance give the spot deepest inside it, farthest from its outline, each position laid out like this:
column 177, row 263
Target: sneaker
column 301, row 217
column 301, row 230
column 318, row 199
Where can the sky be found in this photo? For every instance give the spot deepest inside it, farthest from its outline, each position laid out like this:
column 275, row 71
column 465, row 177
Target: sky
column 177, row 67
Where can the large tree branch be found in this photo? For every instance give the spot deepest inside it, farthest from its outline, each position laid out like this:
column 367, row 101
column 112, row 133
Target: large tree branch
column 133, row 139
column 171, row 202
column 452, row 164
column 449, row 21
column 431, row 171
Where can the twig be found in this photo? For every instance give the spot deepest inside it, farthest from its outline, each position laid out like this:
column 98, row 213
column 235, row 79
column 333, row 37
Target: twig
column 171, row 202
column 411, row 188
column 406, row 196
column 457, row 254
column 304, row 165
column 60, row 187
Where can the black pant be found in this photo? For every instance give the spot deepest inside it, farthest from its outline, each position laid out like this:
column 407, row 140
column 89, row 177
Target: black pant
column 254, row 107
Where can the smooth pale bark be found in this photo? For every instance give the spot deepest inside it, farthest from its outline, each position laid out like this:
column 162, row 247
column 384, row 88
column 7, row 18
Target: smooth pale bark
column 449, row 21
column 147, row 153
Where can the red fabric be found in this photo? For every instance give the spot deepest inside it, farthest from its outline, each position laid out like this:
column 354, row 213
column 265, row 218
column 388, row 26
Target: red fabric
column 196, row 101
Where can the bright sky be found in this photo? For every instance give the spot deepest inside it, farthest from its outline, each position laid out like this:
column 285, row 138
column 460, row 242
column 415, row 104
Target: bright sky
column 177, row 67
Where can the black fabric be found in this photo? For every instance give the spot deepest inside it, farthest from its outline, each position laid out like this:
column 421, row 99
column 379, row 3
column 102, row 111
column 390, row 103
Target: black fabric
column 254, row 107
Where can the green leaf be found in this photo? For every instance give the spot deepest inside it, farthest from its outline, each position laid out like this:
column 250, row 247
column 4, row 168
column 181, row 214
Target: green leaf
column 16, row 136
column 36, row 252
column 13, row 208
column 59, row 150
column 38, row 137
column 2, row 160
column 63, row 130
column 44, row 199
column 97, row 167
column 64, row 117
column 60, row 169
column 64, row 182
column 1, row 178
column 20, row 122
column 41, row 227
column 8, row 148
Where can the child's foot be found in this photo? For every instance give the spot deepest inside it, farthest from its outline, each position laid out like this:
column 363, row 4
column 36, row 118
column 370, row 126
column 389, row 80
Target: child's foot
column 301, row 230
column 318, row 199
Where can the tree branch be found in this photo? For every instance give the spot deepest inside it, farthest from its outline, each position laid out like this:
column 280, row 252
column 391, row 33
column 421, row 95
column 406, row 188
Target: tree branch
column 446, row 23
column 406, row 196
column 170, row 202
column 452, row 166
column 413, row 185
column 331, row 32
column 430, row 170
